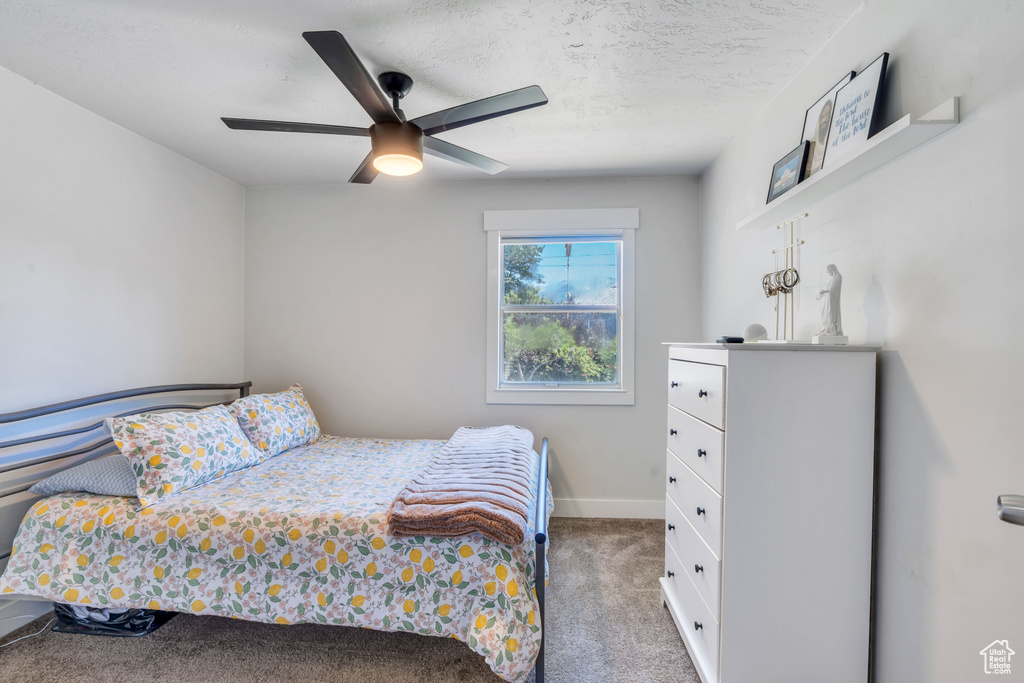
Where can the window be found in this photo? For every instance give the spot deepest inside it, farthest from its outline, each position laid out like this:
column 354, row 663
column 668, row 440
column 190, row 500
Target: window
column 560, row 306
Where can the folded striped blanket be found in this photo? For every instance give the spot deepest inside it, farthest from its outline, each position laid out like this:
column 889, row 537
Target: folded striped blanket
column 480, row 481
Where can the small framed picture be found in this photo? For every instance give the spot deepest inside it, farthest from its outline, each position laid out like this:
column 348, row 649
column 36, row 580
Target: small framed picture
column 857, row 111
column 817, row 121
column 788, row 171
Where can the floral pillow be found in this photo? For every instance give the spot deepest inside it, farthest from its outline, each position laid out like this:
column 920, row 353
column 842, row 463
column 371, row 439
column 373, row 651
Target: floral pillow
column 276, row 422
column 175, row 451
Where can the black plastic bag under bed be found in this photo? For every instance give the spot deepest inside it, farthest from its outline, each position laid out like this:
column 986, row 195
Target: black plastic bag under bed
column 128, row 624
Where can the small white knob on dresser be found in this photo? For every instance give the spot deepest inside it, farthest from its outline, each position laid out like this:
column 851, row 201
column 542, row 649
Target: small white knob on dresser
column 768, row 507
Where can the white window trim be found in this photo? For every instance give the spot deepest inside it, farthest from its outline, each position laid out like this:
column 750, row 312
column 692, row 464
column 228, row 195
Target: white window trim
column 621, row 223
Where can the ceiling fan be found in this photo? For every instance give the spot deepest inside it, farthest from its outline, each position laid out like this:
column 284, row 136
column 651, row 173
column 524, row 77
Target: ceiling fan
column 397, row 144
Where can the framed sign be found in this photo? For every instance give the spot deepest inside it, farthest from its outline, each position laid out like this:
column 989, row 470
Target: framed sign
column 856, row 114
column 816, row 125
column 788, row 171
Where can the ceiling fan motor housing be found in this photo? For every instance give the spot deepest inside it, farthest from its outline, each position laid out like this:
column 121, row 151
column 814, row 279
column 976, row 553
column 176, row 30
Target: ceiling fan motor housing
column 397, row 138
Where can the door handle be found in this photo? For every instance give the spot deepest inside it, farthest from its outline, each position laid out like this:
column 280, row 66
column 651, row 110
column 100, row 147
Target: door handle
column 1011, row 509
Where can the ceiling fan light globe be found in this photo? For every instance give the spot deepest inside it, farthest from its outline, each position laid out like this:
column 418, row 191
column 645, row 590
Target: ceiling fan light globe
column 397, row 148
column 399, row 163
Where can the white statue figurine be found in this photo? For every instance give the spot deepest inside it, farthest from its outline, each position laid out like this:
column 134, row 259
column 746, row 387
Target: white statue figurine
column 831, row 319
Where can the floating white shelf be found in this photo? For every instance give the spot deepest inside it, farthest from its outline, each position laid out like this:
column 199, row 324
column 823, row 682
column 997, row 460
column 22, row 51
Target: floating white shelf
column 880, row 149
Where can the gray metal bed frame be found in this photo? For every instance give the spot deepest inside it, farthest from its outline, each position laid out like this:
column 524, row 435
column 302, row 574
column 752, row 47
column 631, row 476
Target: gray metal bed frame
column 84, row 453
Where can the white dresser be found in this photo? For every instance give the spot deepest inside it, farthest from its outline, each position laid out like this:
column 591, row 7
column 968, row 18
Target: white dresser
column 768, row 510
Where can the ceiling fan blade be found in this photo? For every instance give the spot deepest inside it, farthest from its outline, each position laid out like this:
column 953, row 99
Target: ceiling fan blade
column 290, row 127
column 461, row 155
column 365, row 174
column 342, row 60
column 481, row 110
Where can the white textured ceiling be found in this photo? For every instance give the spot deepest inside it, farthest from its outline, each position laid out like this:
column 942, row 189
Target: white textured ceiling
column 635, row 87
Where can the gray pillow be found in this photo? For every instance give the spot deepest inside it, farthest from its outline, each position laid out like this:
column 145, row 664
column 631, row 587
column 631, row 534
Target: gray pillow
column 110, row 476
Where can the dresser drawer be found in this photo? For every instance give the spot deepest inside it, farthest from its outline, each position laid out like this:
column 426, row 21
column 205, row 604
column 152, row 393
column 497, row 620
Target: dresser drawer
column 698, row 389
column 699, row 563
column 698, row 444
column 700, row 503
column 701, row 629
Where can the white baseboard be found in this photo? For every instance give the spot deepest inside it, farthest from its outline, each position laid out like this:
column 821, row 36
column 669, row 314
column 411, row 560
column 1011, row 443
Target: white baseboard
column 16, row 613
column 614, row 509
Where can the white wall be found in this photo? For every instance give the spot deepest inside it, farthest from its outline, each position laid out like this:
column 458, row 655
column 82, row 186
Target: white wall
column 120, row 261
column 930, row 248
column 374, row 298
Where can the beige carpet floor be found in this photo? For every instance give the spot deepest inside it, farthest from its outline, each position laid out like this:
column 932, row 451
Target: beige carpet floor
column 605, row 624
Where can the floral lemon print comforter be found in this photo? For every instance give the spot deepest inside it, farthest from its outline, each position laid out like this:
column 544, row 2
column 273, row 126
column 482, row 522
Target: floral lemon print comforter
column 298, row 538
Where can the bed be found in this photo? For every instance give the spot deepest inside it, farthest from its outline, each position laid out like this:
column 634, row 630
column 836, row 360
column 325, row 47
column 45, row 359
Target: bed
column 300, row 537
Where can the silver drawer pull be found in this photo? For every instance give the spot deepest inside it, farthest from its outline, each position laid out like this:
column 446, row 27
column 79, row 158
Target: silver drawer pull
column 697, row 626
column 672, row 432
column 701, row 453
column 671, row 480
column 701, row 393
column 671, row 527
column 698, row 568
column 674, row 385
column 700, row 511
